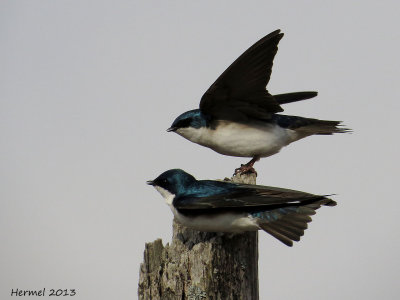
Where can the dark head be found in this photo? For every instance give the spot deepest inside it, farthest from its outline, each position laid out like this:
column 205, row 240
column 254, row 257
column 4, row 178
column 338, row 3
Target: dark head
column 174, row 181
column 192, row 118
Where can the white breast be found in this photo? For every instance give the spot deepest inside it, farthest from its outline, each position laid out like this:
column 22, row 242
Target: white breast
column 236, row 139
column 230, row 222
column 169, row 197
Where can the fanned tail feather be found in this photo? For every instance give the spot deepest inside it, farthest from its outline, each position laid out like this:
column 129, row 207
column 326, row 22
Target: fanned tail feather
column 288, row 224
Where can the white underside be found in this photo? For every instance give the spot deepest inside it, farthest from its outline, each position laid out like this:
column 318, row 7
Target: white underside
column 236, row 139
column 227, row 222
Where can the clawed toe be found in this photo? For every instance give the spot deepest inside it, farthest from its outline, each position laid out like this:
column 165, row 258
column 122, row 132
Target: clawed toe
column 245, row 169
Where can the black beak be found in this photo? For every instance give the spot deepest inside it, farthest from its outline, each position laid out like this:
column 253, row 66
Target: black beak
column 150, row 182
column 172, row 129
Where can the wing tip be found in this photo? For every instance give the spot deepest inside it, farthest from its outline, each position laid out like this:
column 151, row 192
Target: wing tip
column 274, row 34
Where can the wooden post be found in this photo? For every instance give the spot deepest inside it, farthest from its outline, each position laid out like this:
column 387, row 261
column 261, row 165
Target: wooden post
column 201, row 265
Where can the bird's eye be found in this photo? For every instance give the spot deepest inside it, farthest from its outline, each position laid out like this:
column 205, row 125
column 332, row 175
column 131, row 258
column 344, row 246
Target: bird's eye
column 184, row 123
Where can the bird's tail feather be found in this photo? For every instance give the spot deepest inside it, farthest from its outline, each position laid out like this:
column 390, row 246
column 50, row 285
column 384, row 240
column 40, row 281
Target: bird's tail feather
column 309, row 126
column 293, row 97
column 288, row 224
column 322, row 127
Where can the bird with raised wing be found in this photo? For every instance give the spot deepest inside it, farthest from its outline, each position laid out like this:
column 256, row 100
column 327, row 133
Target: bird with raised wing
column 238, row 116
column 219, row 206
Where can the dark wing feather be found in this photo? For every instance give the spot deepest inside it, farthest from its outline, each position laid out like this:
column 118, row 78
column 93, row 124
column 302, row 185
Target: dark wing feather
column 240, row 91
column 283, row 213
column 242, row 197
column 293, row 97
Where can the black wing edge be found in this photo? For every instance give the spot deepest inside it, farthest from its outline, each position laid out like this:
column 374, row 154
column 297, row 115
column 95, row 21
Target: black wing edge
column 221, row 88
column 294, row 97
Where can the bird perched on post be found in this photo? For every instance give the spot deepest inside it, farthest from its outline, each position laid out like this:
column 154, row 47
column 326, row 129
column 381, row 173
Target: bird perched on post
column 218, row 206
column 238, row 116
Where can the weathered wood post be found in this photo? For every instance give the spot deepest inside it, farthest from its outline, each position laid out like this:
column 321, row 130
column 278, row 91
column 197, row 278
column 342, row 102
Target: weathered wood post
column 201, row 265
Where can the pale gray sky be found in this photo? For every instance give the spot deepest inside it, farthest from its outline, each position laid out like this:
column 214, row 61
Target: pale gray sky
column 87, row 89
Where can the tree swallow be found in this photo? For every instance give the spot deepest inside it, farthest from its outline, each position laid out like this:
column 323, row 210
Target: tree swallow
column 237, row 115
column 218, row 206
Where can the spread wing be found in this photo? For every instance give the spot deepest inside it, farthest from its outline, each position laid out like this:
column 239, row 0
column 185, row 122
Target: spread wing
column 240, row 91
column 243, row 198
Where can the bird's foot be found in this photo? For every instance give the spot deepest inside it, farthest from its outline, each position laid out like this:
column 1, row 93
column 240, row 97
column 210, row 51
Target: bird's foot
column 245, row 169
